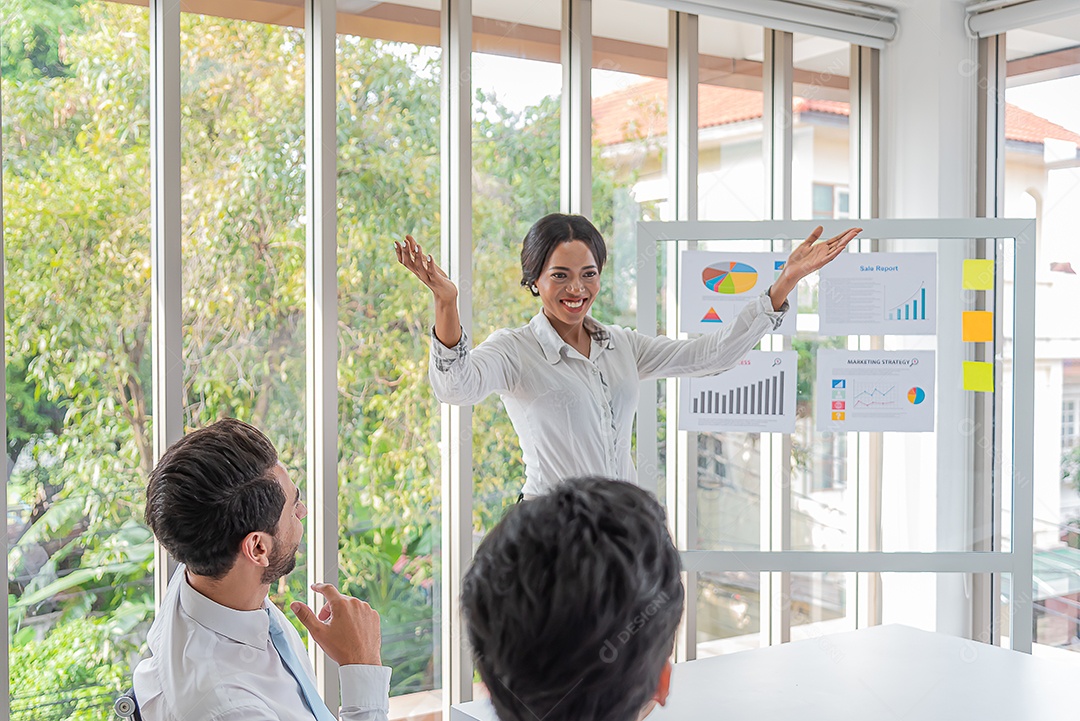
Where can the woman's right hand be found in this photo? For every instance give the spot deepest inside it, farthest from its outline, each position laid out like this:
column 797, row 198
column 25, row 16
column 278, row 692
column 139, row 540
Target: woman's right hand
column 412, row 256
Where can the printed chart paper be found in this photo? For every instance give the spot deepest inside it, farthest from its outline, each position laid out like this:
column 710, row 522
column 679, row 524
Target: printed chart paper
column 715, row 286
column 875, row 390
column 756, row 396
column 879, row 294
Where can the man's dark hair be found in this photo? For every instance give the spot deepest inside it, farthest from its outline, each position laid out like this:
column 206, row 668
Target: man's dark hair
column 548, row 232
column 572, row 603
column 212, row 488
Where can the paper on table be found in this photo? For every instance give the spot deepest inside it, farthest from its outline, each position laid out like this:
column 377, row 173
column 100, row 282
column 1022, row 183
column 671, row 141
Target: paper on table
column 978, row 326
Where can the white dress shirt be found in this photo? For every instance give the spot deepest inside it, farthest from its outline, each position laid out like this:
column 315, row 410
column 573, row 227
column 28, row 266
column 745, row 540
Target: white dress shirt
column 214, row 663
column 574, row 415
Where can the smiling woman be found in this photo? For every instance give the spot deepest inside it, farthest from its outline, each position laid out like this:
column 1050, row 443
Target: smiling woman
column 569, row 383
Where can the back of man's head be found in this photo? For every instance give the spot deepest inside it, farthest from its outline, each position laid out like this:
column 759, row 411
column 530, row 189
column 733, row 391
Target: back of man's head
column 572, row 604
column 211, row 489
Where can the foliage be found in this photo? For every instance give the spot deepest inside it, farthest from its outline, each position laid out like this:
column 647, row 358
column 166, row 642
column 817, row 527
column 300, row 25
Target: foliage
column 77, row 312
column 1070, row 467
column 34, row 41
column 71, row 674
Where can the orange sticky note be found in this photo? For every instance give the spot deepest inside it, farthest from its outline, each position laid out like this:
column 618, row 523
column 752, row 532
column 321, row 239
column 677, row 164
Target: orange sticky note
column 978, row 326
column 978, row 275
column 979, row 376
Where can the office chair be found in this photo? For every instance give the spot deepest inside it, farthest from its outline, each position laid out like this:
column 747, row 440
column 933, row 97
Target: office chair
column 126, row 706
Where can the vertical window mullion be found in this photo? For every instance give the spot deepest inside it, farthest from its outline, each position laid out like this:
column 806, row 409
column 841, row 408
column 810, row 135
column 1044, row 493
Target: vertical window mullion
column 986, row 410
column 321, row 315
column 777, row 75
column 863, row 203
column 456, row 248
column 683, row 182
column 575, row 122
column 166, row 278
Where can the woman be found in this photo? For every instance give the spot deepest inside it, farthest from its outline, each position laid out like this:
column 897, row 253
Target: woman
column 569, row 383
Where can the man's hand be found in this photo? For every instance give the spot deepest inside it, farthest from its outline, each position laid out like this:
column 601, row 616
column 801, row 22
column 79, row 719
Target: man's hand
column 347, row 629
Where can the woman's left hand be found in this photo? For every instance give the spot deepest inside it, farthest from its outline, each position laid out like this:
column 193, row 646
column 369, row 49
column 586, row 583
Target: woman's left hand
column 809, row 256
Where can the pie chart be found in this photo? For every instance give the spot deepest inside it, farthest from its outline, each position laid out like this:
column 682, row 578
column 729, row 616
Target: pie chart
column 916, row 395
column 729, row 277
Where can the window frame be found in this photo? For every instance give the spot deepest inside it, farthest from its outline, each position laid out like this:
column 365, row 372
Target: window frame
column 457, row 40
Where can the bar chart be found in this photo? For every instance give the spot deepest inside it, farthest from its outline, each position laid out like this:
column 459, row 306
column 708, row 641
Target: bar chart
column 758, row 395
column 763, row 398
column 914, row 308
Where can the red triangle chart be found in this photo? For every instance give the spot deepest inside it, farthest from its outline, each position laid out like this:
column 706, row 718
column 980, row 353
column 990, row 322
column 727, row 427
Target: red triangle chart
column 712, row 317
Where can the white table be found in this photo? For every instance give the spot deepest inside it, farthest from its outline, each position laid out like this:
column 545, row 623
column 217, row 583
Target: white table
column 884, row 673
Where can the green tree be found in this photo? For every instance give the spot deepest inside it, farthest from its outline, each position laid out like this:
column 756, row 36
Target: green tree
column 77, row 312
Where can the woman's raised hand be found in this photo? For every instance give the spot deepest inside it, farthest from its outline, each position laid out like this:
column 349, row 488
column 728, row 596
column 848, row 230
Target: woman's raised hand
column 411, row 255
column 810, row 255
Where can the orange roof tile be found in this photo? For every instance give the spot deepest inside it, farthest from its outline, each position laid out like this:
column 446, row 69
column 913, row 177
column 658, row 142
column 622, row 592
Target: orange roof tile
column 640, row 111
column 1027, row 127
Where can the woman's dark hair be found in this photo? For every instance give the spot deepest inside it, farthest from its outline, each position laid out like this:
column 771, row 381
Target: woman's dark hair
column 572, row 602
column 209, row 490
column 547, row 233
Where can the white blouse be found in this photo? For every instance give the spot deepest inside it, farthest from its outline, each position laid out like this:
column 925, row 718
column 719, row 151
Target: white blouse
column 574, row 415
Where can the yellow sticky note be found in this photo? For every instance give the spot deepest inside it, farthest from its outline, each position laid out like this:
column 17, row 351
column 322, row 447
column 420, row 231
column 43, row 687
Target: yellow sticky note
column 978, row 275
column 978, row 326
column 978, row 376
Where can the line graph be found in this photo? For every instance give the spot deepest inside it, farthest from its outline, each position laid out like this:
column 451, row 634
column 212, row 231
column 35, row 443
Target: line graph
column 866, row 390
column 872, row 395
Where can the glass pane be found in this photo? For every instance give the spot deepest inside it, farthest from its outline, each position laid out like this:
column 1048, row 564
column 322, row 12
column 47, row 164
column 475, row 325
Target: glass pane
column 629, row 147
column 1042, row 181
column 942, row 602
column 731, row 186
column 822, row 475
column 819, row 604
column 76, row 214
column 629, row 141
column 731, row 156
column 243, row 236
column 729, row 466
column 516, row 91
column 389, row 80
column 1057, row 594
column 728, row 613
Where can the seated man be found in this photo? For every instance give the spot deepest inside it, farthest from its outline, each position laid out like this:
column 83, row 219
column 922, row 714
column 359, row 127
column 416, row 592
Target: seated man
column 572, row 603
column 223, row 505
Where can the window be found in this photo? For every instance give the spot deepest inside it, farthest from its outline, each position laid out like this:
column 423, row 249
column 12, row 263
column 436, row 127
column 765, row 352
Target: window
column 243, row 236
column 516, row 112
column 830, row 201
column 76, row 194
column 629, row 140
column 76, row 118
column 389, row 79
column 1042, row 180
column 1068, row 424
